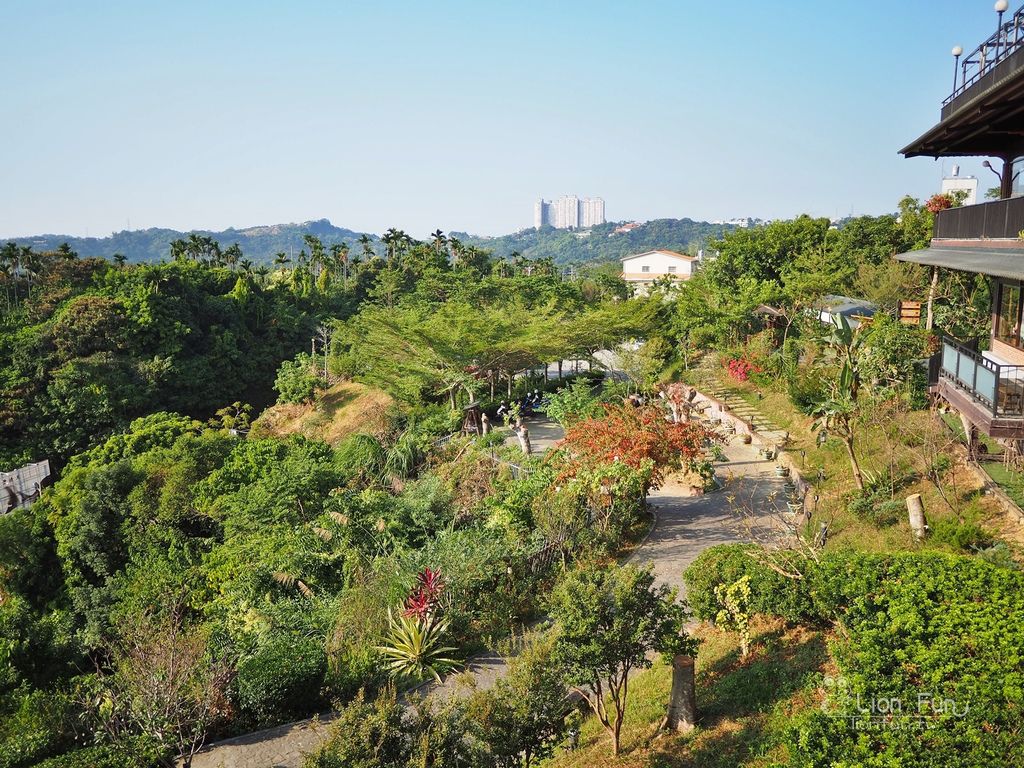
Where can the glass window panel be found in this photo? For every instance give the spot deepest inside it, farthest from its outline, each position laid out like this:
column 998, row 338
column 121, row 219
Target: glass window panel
column 1008, row 318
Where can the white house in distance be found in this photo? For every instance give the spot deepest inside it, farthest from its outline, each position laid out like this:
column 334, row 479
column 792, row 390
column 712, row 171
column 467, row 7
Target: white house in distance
column 642, row 269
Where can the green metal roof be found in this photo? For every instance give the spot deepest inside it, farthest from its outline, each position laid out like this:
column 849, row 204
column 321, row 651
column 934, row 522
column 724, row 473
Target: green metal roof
column 999, row 262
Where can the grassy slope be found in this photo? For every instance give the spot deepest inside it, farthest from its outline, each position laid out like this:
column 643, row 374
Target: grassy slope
column 342, row 410
column 744, row 706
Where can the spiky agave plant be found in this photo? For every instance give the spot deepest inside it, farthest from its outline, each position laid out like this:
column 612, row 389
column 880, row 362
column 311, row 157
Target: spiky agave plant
column 414, row 649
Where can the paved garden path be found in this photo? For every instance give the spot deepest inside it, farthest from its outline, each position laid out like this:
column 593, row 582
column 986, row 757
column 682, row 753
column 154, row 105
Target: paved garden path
column 685, row 526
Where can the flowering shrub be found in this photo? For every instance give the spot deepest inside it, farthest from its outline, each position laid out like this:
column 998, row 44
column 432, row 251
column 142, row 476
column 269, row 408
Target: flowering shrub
column 740, row 369
column 939, row 202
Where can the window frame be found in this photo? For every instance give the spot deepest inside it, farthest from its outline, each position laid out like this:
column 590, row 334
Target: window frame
column 1012, row 340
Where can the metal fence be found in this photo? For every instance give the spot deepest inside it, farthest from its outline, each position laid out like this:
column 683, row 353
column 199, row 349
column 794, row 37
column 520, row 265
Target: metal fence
column 1000, row 219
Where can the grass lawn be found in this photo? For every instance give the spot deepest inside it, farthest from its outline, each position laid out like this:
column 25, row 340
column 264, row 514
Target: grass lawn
column 744, row 706
column 899, row 445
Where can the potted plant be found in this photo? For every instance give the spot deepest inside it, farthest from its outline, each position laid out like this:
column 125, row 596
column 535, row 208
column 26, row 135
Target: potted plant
column 781, row 471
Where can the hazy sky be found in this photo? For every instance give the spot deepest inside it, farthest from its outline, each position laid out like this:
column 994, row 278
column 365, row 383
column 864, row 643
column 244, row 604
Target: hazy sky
column 459, row 115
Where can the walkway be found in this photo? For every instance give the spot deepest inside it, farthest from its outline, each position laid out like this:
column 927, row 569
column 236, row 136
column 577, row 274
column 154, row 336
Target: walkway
column 686, row 525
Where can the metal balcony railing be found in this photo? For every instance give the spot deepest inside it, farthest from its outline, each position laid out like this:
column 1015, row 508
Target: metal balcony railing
column 1000, row 219
column 999, row 388
column 1006, row 41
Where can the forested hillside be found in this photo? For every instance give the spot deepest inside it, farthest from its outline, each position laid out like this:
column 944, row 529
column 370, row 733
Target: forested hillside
column 186, row 577
column 260, row 244
column 273, row 243
column 600, row 244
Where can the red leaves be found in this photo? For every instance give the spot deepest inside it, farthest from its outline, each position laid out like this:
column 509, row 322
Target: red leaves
column 423, row 600
column 634, row 436
column 741, row 369
column 939, row 202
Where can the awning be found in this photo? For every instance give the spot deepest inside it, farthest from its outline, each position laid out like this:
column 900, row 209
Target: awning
column 999, row 262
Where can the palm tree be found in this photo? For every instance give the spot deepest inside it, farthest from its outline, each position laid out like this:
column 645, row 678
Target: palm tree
column 281, row 260
column 339, row 252
column 456, row 248
column 391, row 240
column 120, row 259
column 439, row 239
column 263, row 271
column 364, row 240
column 232, row 255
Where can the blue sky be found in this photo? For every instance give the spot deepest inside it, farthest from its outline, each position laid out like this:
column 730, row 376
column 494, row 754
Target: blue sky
column 459, row 114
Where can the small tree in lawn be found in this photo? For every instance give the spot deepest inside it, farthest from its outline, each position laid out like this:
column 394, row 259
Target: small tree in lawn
column 608, row 620
column 734, row 615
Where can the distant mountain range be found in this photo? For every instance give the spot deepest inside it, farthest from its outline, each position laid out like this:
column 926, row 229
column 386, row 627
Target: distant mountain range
column 261, row 244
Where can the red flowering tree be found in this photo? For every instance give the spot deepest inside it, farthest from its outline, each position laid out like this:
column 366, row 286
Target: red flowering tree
column 939, row 202
column 637, row 437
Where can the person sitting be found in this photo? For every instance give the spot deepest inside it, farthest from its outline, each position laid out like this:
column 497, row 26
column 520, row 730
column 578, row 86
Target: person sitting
column 502, row 409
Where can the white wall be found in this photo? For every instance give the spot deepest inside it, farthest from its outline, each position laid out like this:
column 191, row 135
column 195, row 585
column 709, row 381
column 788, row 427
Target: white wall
column 658, row 264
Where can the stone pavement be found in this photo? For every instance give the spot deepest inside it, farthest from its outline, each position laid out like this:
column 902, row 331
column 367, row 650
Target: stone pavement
column 685, row 526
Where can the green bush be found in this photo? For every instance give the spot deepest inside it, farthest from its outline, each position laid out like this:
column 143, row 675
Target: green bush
column 771, row 592
column 942, row 627
column 296, row 380
column 137, row 753
column 32, row 727
column 282, row 680
column 964, row 535
column 806, row 390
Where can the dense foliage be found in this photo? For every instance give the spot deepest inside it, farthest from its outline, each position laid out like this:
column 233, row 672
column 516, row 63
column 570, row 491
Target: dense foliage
column 929, row 660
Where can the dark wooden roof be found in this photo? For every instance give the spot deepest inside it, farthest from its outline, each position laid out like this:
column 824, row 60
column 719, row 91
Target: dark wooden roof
column 987, row 119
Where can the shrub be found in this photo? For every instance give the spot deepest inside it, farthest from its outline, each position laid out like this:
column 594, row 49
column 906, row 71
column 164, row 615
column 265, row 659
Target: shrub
column 282, row 680
column 32, row 728
column 137, row 752
column 296, row 380
column 964, row 535
column 806, row 390
column 946, row 627
column 771, row 592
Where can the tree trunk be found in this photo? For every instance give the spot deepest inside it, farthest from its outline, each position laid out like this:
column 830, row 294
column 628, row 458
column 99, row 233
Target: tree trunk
column 931, row 298
column 510, row 385
column 559, row 369
column 682, row 704
column 858, row 477
column 915, row 510
column 524, row 439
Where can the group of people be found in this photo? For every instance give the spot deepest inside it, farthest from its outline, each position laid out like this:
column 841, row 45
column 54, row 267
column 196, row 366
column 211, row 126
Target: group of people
column 531, row 401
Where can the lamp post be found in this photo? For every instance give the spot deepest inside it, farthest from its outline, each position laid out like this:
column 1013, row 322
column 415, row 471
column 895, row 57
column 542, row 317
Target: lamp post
column 1000, row 8
column 957, row 53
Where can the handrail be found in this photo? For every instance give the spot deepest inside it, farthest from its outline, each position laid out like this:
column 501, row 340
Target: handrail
column 990, row 53
column 999, row 387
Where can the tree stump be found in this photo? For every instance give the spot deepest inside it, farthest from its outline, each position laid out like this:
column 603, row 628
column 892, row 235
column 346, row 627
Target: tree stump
column 524, row 439
column 682, row 705
column 915, row 510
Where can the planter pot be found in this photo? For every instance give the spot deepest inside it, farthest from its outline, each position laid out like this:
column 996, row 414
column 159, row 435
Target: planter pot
column 781, row 471
column 795, row 507
column 789, row 488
